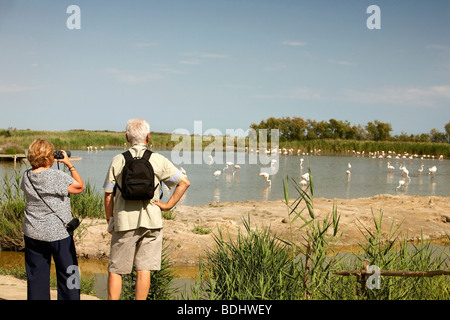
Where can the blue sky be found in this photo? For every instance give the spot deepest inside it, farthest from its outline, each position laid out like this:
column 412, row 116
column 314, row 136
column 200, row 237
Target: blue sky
column 225, row 63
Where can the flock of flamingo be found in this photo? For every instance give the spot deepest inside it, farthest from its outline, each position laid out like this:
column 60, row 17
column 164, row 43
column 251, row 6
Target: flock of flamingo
column 405, row 172
column 230, row 167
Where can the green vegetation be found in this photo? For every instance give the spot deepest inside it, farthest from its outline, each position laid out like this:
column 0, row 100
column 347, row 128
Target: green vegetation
column 341, row 136
column 201, row 230
column 298, row 129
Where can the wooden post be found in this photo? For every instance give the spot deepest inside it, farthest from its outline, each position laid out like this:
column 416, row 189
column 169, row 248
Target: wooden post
column 364, row 276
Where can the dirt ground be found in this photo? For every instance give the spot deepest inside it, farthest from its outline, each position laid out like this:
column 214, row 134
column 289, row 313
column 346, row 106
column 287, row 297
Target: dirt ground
column 428, row 216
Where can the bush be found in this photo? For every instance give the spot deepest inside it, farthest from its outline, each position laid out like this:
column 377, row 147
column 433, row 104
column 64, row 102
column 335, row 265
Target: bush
column 256, row 266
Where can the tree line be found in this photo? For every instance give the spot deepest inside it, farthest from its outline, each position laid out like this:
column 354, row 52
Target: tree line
column 298, row 129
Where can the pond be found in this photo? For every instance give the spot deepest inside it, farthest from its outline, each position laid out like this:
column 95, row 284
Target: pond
column 369, row 176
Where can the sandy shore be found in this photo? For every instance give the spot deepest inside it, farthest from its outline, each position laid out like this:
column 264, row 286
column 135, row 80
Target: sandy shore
column 429, row 216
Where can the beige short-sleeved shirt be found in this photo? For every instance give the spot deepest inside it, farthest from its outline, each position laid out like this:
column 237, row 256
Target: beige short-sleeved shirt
column 133, row 214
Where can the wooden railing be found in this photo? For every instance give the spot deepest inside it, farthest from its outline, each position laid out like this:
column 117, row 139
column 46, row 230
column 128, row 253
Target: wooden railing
column 364, row 274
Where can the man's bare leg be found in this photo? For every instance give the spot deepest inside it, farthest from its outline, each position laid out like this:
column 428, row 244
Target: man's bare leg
column 114, row 286
column 142, row 284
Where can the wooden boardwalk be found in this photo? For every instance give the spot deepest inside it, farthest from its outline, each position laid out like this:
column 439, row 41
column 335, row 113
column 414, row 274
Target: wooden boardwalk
column 12, row 157
column 20, row 157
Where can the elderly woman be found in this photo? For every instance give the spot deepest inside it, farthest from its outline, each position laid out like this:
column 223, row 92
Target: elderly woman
column 47, row 212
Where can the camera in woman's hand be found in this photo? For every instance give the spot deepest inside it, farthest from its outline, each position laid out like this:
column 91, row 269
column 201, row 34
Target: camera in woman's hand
column 59, row 155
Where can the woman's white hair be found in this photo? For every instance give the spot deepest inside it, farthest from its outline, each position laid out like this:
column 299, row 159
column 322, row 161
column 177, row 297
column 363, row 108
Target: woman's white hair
column 137, row 131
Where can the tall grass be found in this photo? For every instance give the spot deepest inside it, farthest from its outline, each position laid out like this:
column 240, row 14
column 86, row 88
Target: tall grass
column 255, row 266
column 12, row 207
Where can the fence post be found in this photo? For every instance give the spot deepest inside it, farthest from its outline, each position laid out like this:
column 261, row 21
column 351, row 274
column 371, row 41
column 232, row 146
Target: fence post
column 362, row 277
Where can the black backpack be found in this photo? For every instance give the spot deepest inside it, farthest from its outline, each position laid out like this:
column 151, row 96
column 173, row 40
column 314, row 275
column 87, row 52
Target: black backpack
column 138, row 177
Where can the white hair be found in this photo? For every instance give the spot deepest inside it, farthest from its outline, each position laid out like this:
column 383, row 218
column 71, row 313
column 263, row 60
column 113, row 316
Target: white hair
column 137, row 131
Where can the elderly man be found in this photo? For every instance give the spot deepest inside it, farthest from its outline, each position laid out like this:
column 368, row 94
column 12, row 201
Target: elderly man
column 136, row 225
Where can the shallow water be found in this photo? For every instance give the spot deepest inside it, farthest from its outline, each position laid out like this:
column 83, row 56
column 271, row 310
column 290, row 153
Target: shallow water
column 368, row 176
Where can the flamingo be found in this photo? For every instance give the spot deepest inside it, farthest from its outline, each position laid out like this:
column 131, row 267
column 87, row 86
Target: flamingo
column 236, row 168
column 266, row 176
column 301, row 162
column 432, row 170
column 401, row 183
column 391, row 168
column 305, row 176
column 217, row 174
column 229, row 164
column 421, row 168
column 405, row 172
column 303, row 183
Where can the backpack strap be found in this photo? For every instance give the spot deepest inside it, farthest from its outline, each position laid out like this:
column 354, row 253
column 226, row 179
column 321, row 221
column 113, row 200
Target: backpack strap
column 127, row 155
column 147, row 155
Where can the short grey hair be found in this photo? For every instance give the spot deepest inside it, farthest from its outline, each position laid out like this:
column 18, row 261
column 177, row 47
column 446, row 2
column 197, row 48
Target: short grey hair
column 137, row 131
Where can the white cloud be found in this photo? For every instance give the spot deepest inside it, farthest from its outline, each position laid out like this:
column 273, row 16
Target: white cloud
column 166, row 69
column 300, row 93
column 236, row 86
column 14, row 88
column 276, row 67
column 133, row 78
column 400, row 96
column 294, row 43
column 343, row 63
column 206, row 55
column 192, row 62
column 437, row 47
column 429, row 97
column 146, row 44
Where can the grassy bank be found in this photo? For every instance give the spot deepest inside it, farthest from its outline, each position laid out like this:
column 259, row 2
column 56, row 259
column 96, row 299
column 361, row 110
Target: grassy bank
column 16, row 141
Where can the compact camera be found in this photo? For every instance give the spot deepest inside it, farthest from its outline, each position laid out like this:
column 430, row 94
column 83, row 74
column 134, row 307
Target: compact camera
column 59, row 155
column 72, row 225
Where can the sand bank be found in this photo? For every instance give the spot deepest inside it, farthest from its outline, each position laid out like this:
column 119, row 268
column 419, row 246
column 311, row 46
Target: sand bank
column 429, row 216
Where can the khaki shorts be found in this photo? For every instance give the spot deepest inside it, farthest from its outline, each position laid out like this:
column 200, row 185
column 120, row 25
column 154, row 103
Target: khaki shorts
column 141, row 248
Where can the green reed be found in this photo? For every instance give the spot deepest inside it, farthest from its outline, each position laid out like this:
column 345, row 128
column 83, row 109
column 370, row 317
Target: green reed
column 12, row 206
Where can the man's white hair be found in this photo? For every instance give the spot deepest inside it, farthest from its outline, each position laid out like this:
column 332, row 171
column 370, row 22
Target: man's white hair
column 137, row 131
